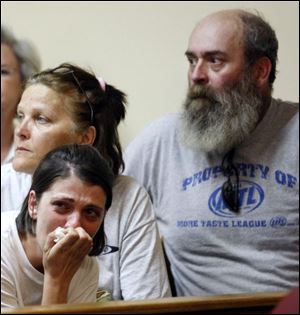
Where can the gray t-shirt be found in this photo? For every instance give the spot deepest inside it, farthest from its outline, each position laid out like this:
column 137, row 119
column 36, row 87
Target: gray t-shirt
column 211, row 249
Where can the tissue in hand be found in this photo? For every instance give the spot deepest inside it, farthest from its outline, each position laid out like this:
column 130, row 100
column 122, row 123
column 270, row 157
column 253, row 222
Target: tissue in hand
column 59, row 234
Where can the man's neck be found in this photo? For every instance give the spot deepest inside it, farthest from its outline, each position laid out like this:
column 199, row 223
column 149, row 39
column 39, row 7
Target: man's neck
column 266, row 105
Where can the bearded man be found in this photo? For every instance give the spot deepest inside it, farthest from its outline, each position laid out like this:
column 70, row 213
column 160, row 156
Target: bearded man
column 223, row 173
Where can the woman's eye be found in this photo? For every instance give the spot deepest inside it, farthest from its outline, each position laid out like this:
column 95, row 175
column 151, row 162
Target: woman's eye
column 59, row 204
column 93, row 213
column 4, row 72
column 42, row 119
column 60, row 207
column 19, row 116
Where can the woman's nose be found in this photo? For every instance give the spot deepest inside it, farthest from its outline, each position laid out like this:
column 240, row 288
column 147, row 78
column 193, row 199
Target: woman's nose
column 22, row 129
column 73, row 220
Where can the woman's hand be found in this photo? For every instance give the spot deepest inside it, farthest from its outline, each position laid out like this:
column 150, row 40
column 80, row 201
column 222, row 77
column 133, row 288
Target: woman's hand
column 61, row 260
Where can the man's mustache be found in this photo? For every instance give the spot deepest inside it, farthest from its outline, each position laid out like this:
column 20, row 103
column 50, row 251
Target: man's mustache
column 199, row 91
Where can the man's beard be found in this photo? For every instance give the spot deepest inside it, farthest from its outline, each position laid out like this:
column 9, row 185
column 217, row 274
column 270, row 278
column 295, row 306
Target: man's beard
column 218, row 120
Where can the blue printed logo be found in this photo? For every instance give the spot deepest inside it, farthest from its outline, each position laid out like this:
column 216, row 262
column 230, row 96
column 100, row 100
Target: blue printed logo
column 278, row 221
column 251, row 196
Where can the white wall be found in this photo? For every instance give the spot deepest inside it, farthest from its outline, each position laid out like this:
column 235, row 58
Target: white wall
column 139, row 46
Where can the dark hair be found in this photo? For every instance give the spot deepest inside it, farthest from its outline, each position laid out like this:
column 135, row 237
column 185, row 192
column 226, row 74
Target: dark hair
column 88, row 99
column 24, row 51
column 86, row 163
column 260, row 41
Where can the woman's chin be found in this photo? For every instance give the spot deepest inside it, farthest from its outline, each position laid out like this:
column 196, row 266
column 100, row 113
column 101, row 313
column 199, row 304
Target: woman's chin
column 21, row 165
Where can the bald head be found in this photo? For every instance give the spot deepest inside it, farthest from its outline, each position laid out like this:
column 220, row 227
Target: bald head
column 224, row 24
column 224, row 16
column 228, row 14
column 228, row 17
column 248, row 31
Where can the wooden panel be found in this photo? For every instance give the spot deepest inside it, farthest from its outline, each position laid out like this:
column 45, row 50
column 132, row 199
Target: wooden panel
column 259, row 303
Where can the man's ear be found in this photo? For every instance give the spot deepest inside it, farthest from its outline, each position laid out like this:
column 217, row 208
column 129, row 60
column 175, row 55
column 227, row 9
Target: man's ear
column 32, row 205
column 262, row 69
column 89, row 136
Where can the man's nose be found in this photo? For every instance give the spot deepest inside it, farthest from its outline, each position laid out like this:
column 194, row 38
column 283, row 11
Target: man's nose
column 199, row 74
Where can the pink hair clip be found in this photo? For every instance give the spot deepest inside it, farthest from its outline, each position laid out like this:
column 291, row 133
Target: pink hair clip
column 102, row 83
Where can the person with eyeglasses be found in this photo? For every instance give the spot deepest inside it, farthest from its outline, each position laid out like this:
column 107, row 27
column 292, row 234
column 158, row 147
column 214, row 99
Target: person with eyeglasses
column 68, row 104
column 19, row 60
column 223, row 174
column 71, row 192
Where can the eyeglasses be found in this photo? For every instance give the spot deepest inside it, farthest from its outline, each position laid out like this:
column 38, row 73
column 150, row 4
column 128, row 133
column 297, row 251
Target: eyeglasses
column 80, row 88
column 230, row 191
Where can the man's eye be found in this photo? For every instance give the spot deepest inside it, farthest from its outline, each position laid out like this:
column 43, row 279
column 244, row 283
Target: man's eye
column 216, row 61
column 192, row 61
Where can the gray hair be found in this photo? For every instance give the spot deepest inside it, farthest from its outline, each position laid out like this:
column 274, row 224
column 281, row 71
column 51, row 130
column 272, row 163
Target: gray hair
column 25, row 52
column 260, row 41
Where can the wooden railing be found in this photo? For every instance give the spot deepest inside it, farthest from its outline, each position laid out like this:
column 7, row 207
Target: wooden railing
column 259, row 303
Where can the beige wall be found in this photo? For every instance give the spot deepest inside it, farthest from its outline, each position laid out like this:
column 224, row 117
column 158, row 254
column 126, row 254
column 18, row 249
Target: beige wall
column 139, row 46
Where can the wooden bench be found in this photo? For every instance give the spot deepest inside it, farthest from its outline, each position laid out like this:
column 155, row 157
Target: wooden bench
column 258, row 303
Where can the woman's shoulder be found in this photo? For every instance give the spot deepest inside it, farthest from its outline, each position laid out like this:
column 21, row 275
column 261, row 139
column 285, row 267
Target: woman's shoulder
column 127, row 184
column 129, row 196
column 6, row 169
column 8, row 174
column 14, row 188
column 10, row 243
column 8, row 219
